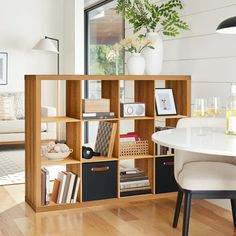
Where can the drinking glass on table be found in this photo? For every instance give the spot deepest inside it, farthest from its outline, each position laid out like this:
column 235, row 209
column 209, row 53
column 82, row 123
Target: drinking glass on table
column 214, row 106
column 200, row 107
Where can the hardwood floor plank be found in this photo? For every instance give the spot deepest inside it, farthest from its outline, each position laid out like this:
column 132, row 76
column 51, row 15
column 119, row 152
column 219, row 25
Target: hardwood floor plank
column 139, row 218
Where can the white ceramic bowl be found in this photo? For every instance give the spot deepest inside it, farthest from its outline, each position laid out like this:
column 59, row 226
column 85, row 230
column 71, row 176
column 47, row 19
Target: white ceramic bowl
column 58, row 156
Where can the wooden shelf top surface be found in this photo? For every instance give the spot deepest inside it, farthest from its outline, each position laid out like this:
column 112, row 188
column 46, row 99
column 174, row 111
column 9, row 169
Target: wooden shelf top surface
column 137, row 118
column 170, row 117
column 68, row 160
column 109, row 77
column 99, row 159
column 101, row 119
column 58, row 119
column 136, row 157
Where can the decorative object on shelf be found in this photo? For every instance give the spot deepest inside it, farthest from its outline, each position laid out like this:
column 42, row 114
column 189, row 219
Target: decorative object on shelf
column 56, row 152
column 88, row 153
column 163, row 18
column 154, row 57
column 135, row 62
column 165, row 102
column 136, row 148
column 227, row 26
column 129, row 137
column 132, row 109
column 96, row 105
column 3, row 68
column 105, row 138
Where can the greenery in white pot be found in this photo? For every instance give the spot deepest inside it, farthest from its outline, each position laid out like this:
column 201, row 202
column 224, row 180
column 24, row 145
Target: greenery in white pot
column 163, row 18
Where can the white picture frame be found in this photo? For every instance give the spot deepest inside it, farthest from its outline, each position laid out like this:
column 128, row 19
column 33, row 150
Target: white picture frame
column 3, row 68
column 165, row 102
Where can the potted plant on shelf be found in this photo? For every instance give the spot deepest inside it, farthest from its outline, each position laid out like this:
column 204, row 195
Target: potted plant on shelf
column 135, row 62
column 155, row 20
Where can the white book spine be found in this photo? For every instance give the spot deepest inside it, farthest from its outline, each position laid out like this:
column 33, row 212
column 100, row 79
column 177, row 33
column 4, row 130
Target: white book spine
column 71, row 184
column 62, row 178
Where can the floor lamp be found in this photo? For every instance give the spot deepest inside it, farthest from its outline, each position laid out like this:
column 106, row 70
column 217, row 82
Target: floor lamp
column 46, row 44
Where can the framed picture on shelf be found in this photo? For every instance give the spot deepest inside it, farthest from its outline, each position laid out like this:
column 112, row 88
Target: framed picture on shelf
column 165, row 102
column 3, row 68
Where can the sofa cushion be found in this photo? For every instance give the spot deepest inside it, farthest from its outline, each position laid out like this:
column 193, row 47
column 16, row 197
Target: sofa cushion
column 7, row 107
column 16, row 126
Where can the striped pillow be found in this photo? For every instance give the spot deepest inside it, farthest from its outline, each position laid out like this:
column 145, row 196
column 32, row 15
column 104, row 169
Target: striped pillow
column 7, row 108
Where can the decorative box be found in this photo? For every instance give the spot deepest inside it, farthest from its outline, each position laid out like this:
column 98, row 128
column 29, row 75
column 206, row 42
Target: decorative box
column 96, row 105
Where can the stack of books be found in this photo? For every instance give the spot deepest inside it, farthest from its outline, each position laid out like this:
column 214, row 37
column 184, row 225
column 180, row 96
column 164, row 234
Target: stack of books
column 98, row 115
column 133, row 181
column 65, row 187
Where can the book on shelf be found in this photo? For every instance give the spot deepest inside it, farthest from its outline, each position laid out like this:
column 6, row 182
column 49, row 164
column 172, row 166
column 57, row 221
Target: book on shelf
column 134, row 178
column 61, row 176
column 75, row 189
column 70, row 187
column 105, row 138
column 129, row 137
column 98, row 115
column 136, row 189
column 134, row 184
column 129, row 171
column 45, row 186
column 55, row 190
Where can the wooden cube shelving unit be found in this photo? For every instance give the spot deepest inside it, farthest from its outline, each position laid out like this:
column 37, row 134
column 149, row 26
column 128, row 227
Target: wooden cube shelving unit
column 144, row 91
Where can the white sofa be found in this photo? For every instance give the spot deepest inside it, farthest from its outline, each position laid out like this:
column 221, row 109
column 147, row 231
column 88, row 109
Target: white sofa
column 13, row 131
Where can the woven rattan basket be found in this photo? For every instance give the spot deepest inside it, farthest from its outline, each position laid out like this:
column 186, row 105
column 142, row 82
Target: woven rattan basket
column 134, row 148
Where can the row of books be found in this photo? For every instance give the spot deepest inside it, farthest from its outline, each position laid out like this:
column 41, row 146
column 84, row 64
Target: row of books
column 163, row 150
column 134, row 181
column 65, row 187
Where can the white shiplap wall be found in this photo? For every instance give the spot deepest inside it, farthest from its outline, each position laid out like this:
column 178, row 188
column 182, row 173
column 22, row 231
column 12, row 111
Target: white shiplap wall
column 210, row 58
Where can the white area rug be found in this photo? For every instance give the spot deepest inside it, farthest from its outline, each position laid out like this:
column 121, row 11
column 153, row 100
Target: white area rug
column 12, row 167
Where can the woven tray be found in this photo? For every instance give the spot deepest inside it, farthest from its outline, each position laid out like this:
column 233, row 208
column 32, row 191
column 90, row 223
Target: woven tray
column 134, row 148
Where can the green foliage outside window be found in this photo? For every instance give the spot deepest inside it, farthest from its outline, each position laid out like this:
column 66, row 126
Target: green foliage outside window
column 102, row 64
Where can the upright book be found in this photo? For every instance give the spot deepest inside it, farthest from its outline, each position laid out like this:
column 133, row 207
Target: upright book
column 105, row 138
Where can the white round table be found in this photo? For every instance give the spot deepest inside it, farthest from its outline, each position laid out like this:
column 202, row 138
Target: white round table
column 201, row 140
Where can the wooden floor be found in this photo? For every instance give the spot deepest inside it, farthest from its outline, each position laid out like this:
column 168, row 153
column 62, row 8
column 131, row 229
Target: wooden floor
column 152, row 217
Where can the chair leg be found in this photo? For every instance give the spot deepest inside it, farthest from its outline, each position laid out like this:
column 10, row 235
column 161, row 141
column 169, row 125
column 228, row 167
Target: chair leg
column 233, row 206
column 187, row 208
column 177, row 208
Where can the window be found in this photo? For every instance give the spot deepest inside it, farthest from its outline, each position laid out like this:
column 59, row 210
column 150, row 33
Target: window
column 103, row 28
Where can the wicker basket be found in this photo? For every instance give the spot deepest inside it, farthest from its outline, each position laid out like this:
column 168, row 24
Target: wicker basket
column 134, row 148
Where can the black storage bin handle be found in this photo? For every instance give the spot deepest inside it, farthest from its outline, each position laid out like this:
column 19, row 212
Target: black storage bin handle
column 168, row 163
column 100, row 169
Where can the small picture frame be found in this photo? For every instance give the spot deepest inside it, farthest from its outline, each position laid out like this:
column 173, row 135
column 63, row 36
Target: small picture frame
column 165, row 102
column 3, row 68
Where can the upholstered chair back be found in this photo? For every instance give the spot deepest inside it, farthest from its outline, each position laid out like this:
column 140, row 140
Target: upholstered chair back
column 182, row 157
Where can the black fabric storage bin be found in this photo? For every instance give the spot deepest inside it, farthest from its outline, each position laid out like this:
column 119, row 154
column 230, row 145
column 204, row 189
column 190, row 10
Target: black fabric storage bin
column 99, row 180
column 165, row 180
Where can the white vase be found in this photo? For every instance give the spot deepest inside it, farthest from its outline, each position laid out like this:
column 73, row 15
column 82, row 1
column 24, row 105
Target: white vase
column 154, row 57
column 136, row 64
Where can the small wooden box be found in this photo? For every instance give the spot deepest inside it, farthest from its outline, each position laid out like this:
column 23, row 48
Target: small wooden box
column 96, row 105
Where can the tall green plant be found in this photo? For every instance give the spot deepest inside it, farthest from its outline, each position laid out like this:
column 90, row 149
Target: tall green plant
column 143, row 14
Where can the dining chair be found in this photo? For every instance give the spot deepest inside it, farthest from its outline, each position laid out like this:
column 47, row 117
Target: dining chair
column 203, row 176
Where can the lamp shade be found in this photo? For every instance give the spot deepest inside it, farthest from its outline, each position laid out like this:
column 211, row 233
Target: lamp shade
column 227, row 26
column 46, row 45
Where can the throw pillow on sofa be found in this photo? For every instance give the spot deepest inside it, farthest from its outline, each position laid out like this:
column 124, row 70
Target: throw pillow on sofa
column 19, row 105
column 7, row 111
